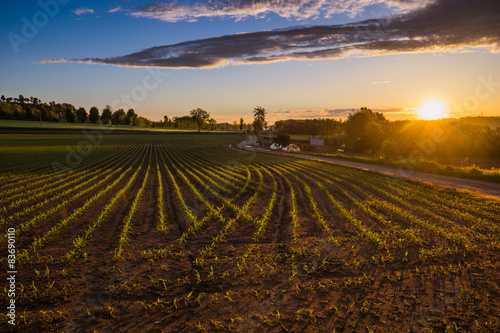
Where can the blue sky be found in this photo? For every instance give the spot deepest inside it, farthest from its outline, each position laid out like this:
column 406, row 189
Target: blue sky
column 313, row 73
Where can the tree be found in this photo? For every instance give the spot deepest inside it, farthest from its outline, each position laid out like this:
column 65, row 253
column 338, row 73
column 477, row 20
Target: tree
column 143, row 122
column 2, row 98
column 94, row 115
column 106, row 115
column 200, row 117
column 82, row 115
column 366, row 130
column 118, row 117
column 130, row 117
column 259, row 123
column 313, row 127
column 18, row 112
column 21, row 99
column 282, row 139
column 213, row 123
column 389, row 150
column 70, row 115
column 242, row 124
column 6, row 111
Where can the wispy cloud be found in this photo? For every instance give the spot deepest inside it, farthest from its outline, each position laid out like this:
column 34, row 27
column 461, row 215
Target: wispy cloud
column 53, row 61
column 380, row 82
column 114, row 10
column 63, row 61
column 174, row 11
column 83, row 11
column 444, row 25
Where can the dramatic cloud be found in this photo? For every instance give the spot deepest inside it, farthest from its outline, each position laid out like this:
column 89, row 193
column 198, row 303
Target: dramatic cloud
column 173, row 11
column 444, row 25
column 82, row 11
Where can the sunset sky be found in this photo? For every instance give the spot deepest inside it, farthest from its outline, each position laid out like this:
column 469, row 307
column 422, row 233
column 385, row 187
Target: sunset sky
column 297, row 59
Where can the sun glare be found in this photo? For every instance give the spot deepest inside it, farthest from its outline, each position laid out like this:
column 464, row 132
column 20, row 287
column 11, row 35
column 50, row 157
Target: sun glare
column 432, row 110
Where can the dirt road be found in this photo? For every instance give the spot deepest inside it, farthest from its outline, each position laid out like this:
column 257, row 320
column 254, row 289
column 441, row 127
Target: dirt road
column 478, row 186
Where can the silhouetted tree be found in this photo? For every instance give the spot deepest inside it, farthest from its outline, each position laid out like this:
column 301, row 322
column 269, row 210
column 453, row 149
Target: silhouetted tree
column 259, row 123
column 365, row 130
column 70, row 115
column 200, row 117
column 130, row 117
column 106, row 115
column 82, row 115
column 94, row 115
column 213, row 123
column 118, row 117
column 282, row 139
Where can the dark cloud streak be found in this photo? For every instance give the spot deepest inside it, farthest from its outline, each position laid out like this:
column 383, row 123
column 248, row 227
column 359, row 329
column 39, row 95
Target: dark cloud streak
column 442, row 25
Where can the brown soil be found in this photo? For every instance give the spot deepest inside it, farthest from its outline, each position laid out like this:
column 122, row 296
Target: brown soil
column 246, row 284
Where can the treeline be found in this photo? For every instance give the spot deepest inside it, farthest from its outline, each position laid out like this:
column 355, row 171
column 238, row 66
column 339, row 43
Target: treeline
column 312, row 127
column 33, row 108
column 188, row 122
column 366, row 131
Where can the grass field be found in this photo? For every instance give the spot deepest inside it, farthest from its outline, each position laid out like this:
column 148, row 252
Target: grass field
column 49, row 126
column 180, row 232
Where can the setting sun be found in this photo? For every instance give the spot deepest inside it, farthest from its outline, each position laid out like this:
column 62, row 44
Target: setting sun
column 432, row 110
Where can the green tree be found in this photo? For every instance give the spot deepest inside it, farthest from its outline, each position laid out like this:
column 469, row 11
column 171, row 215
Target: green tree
column 200, row 117
column 18, row 111
column 130, row 118
column 82, row 115
column 282, row 139
column 259, row 115
column 94, row 115
column 389, row 150
column 313, row 127
column 70, row 114
column 106, row 115
column 213, row 123
column 6, row 111
column 118, row 117
column 366, row 130
column 143, row 122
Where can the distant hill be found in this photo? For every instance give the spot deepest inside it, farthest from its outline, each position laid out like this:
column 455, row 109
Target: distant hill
column 491, row 122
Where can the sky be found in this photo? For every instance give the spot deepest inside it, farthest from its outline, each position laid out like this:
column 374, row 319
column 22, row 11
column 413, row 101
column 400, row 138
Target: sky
column 297, row 59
